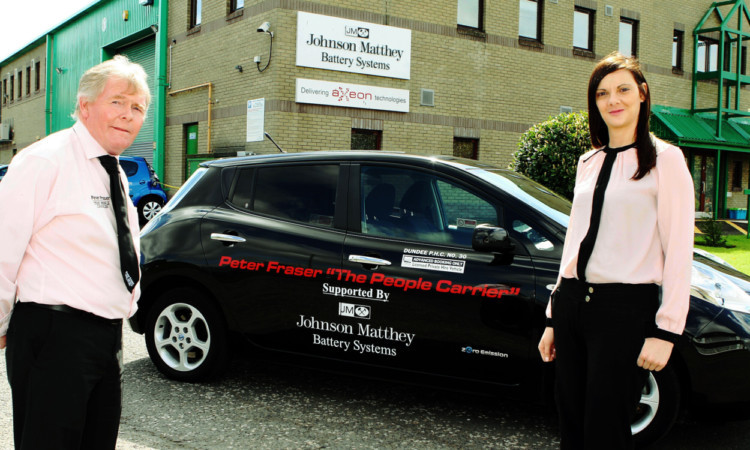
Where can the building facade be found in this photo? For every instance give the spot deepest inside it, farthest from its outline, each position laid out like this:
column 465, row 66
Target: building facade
column 464, row 77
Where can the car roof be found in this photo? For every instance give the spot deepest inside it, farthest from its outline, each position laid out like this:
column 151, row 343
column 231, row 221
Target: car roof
column 354, row 156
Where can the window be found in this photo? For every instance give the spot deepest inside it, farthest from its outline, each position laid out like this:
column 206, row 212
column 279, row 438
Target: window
column 5, row 91
column 195, row 13
column 628, row 37
column 471, row 14
column 304, row 193
column 37, row 75
column 730, row 58
column 677, row 45
column 409, row 204
column 466, row 148
column 737, row 176
column 20, row 84
column 708, row 55
column 12, row 87
column 530, row 20
column 28, row 80
column 366, row 139
column 583, row 29
column 130, row 167
column 235, row 5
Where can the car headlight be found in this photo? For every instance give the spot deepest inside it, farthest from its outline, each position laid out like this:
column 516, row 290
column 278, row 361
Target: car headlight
column 712, row 286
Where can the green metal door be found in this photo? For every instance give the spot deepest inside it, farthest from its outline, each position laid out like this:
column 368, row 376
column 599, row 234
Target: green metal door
column 191, row 148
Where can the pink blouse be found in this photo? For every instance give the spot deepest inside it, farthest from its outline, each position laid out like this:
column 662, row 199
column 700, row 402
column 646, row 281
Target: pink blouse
column 646, row 231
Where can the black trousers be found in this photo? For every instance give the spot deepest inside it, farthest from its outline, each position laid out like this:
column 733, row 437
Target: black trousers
column 599, row 332
column 65, row 374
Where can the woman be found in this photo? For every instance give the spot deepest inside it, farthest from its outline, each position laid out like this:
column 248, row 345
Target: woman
column 623, row 292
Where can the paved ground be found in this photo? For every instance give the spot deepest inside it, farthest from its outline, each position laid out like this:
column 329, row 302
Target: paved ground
column 273, row 406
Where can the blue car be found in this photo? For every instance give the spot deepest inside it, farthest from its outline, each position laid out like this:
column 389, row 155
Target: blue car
column 145, row 188
column 3, row 170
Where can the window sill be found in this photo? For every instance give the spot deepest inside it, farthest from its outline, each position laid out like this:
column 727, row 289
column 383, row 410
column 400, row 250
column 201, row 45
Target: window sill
column 583, row 53
column 531, row 43
column 677, row 71
column 471, row 32
column 235, row 14
column 196, row 29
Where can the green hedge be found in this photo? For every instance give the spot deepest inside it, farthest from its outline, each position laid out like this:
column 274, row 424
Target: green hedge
column 548, row 152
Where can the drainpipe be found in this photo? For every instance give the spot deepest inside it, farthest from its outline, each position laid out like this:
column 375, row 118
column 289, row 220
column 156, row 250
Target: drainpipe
column 48, row 88
column 160, row 120
column 210, row 102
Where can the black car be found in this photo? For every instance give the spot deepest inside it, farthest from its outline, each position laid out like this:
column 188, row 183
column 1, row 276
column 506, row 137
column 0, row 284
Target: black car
column 434, row 268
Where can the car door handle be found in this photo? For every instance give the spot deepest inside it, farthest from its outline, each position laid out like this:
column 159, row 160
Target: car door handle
column 369, row 260
column 227, row 238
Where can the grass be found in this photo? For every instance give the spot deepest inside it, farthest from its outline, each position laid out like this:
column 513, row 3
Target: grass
column 738, row 256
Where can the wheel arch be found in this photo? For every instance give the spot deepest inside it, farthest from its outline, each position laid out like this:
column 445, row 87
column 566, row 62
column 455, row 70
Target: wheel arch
column 155, row 290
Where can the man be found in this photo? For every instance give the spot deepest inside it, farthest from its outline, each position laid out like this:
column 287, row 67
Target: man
column 69, row 267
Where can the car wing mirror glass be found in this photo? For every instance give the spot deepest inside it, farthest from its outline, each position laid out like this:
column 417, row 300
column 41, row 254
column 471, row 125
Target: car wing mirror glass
column 487, row 238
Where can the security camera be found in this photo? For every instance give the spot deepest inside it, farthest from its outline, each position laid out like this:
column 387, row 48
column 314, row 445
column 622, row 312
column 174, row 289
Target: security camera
column 264, row 27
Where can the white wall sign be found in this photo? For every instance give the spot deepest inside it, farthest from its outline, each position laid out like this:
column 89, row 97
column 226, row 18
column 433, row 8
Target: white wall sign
column 351, row 95
column 256, row 110
column 347, row 45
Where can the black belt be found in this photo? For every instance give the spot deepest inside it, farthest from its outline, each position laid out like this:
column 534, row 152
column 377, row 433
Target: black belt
column 70, row 310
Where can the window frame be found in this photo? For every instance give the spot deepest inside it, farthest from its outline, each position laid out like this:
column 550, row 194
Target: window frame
column 37, row 76
column 739, row 165
column 480, row 17
column 195, row 14
column 474, row 141
column 539, row 22
column 591, row 25
column 678, row 48
column 12, row 95
column 633, row 37
column 5, row 91
column 20, row 84
column 233, row 5
column 363, row 131
column 708, row 43
column 28, row 80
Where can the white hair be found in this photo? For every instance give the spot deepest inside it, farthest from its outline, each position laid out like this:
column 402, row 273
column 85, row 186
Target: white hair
column 93, row 81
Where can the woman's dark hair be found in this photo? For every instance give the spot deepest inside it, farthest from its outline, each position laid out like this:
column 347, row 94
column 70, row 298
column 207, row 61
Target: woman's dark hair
column 598, row 128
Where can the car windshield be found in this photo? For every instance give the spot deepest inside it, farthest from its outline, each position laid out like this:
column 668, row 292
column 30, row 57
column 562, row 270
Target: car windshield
column 530, row 192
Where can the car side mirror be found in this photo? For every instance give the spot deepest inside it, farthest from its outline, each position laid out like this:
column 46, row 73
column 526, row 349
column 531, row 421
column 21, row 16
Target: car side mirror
column 487, row 238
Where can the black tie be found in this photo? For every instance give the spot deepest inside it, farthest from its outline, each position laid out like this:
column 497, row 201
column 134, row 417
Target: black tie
column 128, row 258
column 587, row 245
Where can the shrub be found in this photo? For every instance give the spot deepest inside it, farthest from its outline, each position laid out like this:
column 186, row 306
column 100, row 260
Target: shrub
column 713, row 233
column 548, row 152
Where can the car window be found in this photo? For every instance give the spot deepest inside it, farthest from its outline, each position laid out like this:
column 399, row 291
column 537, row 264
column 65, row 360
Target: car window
column 130, row 167
column 411, row 204
column 304, row 193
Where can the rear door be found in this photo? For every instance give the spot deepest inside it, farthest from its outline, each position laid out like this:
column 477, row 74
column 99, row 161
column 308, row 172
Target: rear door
column 415, row 295
column 271, row 245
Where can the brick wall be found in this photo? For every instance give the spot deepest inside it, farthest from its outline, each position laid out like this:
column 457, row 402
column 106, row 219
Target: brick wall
column 25, row 113
column 489, row 82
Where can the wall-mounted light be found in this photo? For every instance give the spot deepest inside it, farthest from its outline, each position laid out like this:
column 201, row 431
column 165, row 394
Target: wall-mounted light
column 264, row 28
column 125, row 15
column 155, row 28
column 60, row 70
column 238, row 67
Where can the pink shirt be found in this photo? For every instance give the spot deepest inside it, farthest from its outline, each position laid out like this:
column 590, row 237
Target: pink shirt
column 646, row 231
column 58, row 238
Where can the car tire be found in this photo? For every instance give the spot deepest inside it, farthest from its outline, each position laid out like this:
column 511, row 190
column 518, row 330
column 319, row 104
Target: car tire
column 186, row 336
column 149, row 207
column 658, row 408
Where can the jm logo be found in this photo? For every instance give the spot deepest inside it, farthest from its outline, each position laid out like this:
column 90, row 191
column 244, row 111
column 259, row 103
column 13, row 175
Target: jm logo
column 357, row 311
